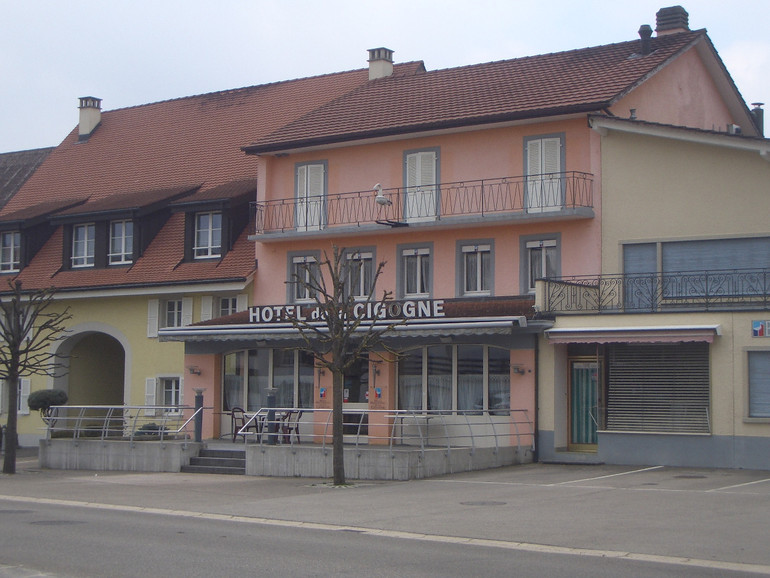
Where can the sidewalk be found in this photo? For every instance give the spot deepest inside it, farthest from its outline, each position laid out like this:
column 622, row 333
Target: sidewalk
column 713, row 516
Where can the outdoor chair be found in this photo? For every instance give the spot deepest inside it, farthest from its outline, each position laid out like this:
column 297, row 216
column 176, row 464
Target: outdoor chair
column 290, row 425
column 238, row 420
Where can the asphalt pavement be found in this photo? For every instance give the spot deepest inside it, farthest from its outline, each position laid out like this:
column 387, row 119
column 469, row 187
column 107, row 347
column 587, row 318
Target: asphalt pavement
column 698, row 518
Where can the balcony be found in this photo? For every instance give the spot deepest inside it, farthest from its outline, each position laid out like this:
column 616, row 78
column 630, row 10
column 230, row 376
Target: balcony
column 535, row 197
column 699, row 291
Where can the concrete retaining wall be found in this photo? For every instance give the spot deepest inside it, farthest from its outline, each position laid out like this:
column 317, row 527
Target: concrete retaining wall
column 148, row 456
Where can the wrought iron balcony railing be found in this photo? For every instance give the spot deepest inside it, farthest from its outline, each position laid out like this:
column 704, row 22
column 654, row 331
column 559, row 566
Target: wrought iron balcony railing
column 717, row 290
column 532, row 195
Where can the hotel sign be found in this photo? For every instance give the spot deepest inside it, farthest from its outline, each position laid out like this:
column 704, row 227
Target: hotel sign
column 365, row 310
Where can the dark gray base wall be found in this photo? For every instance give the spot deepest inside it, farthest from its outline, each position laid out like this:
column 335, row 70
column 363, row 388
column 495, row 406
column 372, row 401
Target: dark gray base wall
column 698, row 451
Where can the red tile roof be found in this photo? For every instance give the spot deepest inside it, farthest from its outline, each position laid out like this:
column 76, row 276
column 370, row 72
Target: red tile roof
column 583, row 80
column 152, row 153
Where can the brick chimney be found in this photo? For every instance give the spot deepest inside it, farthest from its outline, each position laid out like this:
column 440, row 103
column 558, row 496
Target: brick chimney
column 672, row 20
column 90, row 116
column 380, row 63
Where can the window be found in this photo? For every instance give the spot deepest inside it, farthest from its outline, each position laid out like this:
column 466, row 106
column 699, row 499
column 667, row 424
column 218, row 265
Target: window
column 22, row 395
column 467, row 378
column 360, row 275
column 542, row 259
column 83, row 242
column 121, row 242
column 310, row 188
column 168, row 313
column 420, row 178
column 416, row 272
column 173, row 313
column 10, row 251
column 208, row 235
column 228, row 306
column 759, row 384
column 476, row 268
column 544, row 159
column 303, row 271
column 172, row 392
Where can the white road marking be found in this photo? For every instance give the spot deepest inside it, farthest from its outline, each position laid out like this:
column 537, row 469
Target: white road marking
column 403, row 535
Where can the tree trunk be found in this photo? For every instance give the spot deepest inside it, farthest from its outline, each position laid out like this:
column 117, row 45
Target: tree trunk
column 338, row 457
column 11, row 436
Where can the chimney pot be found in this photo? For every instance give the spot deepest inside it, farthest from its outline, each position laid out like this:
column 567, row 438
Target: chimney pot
column 645, row 33
column 90, row 115
column 671, row 20
column 380, row 63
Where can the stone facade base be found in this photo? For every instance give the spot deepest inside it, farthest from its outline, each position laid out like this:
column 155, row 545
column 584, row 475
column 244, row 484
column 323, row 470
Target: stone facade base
column 112, row 455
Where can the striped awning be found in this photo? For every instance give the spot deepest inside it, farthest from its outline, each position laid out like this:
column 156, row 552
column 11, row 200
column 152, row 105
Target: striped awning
column 639, row 334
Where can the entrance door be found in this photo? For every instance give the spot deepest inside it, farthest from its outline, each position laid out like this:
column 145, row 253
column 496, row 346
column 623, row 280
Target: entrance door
column 355, row 397
column 584, row 405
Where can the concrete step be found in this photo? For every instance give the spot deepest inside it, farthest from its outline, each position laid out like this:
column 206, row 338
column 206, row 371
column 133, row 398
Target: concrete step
column 217, row 462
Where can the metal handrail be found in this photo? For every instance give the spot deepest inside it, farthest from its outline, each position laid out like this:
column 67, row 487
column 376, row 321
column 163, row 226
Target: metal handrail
column 398, row 421
column 692, row 291
column 401, row 205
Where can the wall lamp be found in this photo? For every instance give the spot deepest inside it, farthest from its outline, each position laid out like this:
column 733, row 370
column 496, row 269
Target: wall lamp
column 194, row 370
column 519, row 370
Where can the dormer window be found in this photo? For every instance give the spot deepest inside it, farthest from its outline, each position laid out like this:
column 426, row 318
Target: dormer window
column 10, row 251
column 208, row 235
column 121, row 243
column 83, row 244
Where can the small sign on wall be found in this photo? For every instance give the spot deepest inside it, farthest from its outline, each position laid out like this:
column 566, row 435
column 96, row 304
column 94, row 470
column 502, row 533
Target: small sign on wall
column 760, row 328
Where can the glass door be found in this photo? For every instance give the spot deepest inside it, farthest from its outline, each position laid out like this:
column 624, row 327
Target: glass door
column 355, row 400
column 584, row 404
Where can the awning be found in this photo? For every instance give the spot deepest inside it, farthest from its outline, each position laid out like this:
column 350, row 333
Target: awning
column 443, row 327
column 652, row 334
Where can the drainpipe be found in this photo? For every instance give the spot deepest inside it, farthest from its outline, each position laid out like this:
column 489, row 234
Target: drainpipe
column 535, row 452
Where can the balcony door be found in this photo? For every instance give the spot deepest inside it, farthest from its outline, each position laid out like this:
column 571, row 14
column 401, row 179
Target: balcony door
column 420, row 197
column 543, row 159
column 310, row 196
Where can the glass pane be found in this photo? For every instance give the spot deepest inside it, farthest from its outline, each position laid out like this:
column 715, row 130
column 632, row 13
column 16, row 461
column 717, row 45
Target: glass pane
column 283, row 377
column 232, row 395
column 440, row 377
column 486, row 270
column 470, row 272
column 259, row 365
column 470, row 378
column 499, row 381
column 410, row 274
column 410, row 380
column 306, row 367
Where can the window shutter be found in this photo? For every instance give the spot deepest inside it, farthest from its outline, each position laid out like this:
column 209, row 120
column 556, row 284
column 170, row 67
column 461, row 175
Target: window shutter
column 551, row 155
column 152, row 317
column 150, row 391
column 759, row 384
column 315, row 180
column 534, row 157
column 302, row 182
column 24, row 384
column 207, row 307
column 242, row 302
column 187, row 307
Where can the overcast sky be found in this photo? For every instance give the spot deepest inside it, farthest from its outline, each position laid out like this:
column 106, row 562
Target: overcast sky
column 131, row 52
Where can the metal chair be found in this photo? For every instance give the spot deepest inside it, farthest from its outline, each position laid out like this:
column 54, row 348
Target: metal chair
column 290, row 425
column 238, row 421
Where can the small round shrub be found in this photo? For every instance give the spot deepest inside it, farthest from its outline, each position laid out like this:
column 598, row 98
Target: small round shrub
column 42, row 399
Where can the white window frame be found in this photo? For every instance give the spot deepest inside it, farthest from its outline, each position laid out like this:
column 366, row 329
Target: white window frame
column 228, row 305
column 176, row 390
column 421, row 170
column 544, row 163
column 419, row 254
column 10, row 252
column 310, row 196
column 83, row 248
column 477, row 249
column 542, row 246
column 155, row 387
column 121, row 243
column 357, row 286
column 157, row 310
column 207, row 243
column 302, row 266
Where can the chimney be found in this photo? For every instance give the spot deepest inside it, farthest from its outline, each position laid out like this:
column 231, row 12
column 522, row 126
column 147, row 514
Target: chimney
column 90, row 116
column 645, row 33
column 380, row 63
column 759, row 116
column 671, row 20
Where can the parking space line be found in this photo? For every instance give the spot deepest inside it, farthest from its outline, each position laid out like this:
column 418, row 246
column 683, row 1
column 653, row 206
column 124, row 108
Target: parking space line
column 739, row 485
column 652, row 468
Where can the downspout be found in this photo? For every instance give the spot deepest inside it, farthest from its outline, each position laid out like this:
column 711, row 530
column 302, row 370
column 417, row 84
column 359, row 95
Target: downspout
column 535, row 422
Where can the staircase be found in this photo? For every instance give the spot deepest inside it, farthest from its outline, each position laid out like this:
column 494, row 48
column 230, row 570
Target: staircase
column 217, row 462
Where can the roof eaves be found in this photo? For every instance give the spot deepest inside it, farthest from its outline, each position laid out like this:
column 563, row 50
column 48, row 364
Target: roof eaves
column 423, row 127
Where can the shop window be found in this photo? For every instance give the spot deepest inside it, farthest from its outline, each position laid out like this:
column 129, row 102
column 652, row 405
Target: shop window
column 467, row 378
column 759, row 384
column 10, row 251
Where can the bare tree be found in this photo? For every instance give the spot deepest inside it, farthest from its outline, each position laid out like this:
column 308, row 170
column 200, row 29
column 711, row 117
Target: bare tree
column 338, row 338
column 28, row 327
